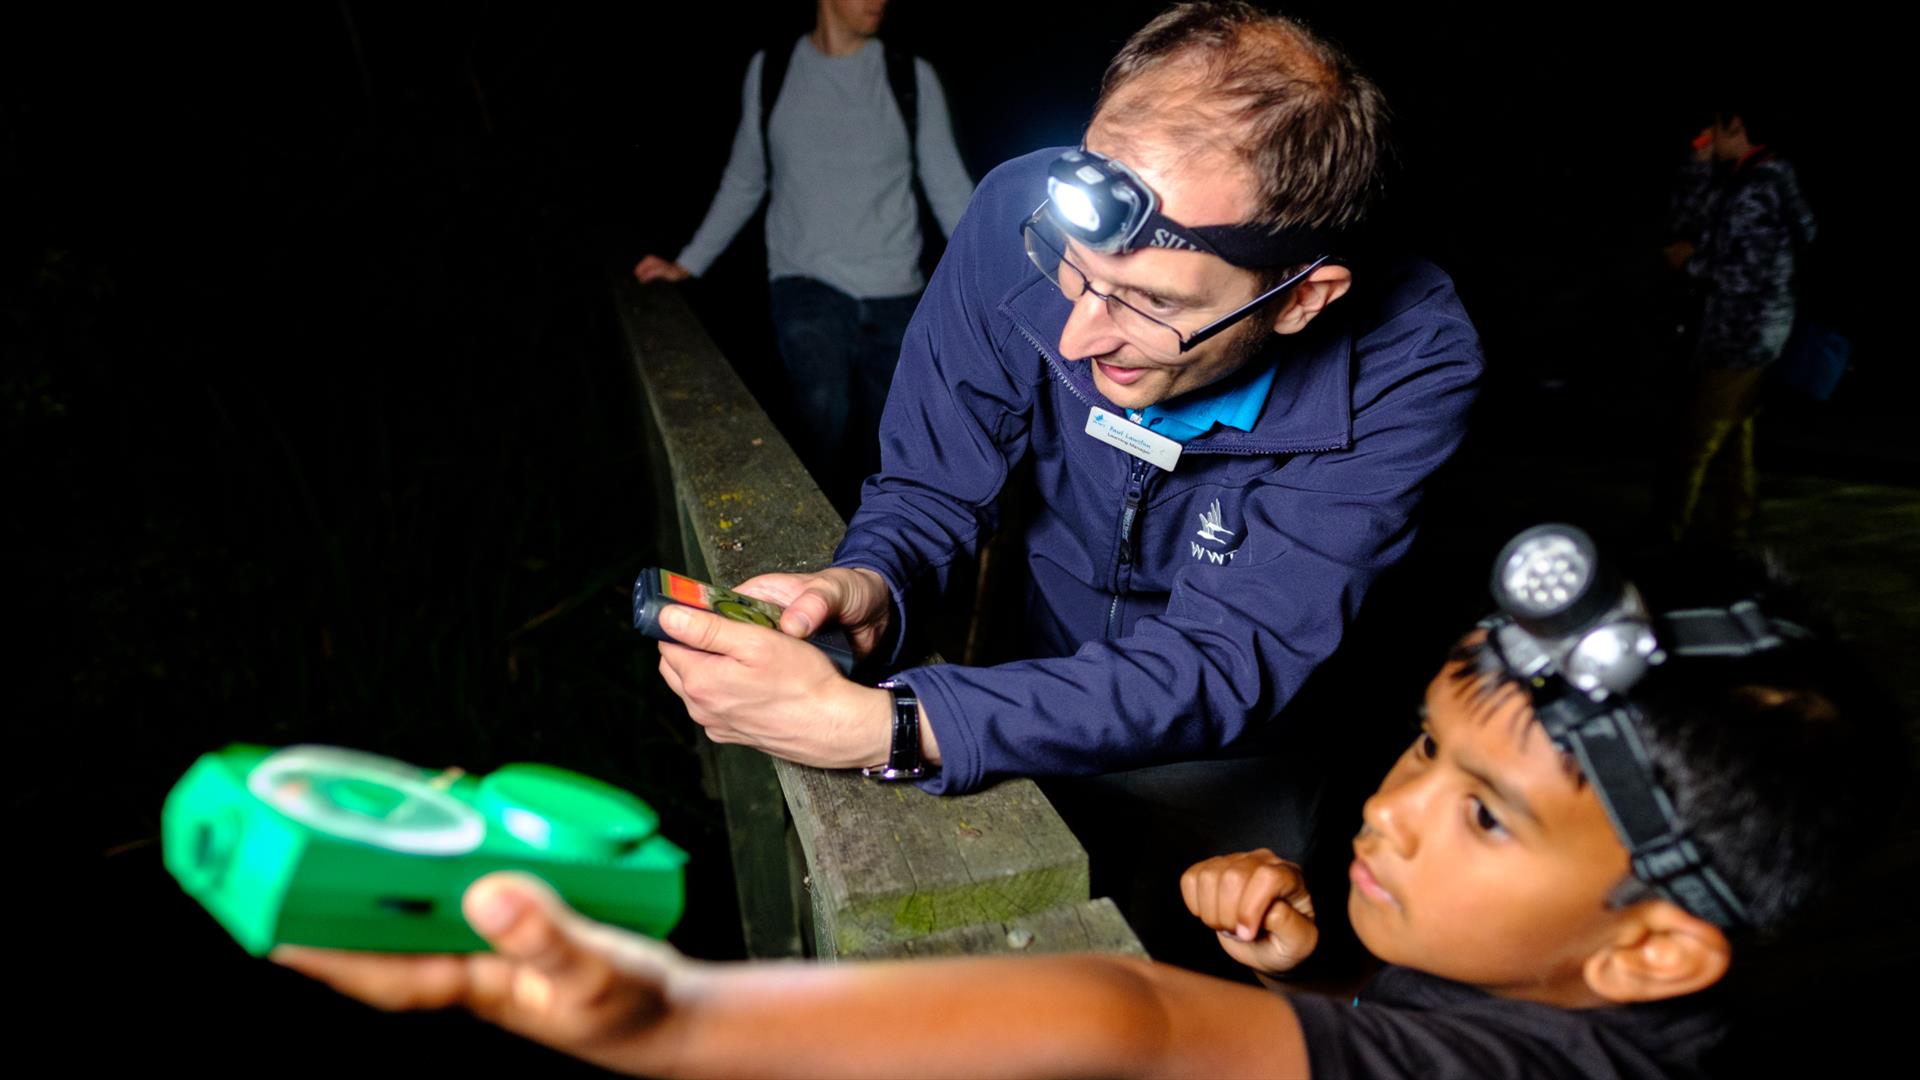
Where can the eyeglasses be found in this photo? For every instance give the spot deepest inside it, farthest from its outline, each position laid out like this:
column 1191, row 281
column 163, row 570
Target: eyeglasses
column 1046, row 247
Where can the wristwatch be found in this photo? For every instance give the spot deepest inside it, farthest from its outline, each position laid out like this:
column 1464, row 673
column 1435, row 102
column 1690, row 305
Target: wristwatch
column 903, row 760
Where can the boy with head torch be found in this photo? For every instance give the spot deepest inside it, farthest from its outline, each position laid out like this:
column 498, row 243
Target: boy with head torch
column 1612, row 793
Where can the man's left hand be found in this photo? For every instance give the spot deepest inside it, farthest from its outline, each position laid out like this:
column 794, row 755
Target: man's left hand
column 762, row 688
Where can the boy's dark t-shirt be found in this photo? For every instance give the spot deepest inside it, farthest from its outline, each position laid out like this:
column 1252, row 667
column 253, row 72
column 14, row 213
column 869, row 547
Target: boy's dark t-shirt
column 1407, row 1023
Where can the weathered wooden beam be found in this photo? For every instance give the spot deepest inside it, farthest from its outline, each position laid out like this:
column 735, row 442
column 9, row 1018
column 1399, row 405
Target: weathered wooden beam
column 771, row 919
column 890, row 863
column 1093, row 926
column 889, row 869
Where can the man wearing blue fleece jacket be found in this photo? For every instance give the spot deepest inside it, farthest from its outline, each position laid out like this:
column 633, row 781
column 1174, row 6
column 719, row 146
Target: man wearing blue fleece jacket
column 1229, row 432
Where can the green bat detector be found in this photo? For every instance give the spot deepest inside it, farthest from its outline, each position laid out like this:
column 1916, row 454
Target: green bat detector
column 316, row 845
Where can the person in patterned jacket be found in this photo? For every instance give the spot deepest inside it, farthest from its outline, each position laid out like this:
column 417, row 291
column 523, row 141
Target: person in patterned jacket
column 1741, row 226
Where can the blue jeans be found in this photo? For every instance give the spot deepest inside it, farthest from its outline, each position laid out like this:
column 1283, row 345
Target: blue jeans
column 839, row 353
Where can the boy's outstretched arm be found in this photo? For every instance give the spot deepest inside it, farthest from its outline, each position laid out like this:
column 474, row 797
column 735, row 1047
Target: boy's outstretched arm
column 637, row 1006
column 1259, row 905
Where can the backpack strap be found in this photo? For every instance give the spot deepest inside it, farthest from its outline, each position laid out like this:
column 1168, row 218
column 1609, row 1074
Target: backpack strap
column 904, row 80
column 906, row 94
column 773, row 75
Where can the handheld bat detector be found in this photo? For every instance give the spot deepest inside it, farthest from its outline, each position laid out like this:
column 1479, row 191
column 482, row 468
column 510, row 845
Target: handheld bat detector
column 321, row 846
column 655, row 589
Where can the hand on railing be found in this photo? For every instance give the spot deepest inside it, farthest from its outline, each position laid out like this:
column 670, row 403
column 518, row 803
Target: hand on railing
column 654, row 268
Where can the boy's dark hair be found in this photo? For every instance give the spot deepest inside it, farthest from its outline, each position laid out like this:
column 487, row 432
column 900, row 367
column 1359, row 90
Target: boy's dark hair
column 1784, row 763
column 1296, row 109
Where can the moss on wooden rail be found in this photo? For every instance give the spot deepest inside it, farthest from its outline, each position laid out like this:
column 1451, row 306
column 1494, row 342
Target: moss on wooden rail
column 889, row 869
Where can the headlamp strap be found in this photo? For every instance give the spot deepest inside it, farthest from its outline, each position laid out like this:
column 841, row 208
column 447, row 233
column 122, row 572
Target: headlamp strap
column 1739, row 630
column 1604, row 739
column 1251, row 247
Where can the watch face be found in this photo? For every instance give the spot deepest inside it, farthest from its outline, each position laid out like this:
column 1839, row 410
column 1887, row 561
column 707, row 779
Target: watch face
column 903, row 756
column 366, row 798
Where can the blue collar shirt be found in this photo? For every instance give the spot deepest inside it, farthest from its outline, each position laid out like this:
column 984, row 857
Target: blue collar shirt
column 1233, row 402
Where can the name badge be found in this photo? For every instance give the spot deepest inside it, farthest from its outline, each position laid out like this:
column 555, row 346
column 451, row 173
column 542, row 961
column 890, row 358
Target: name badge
column 1154, row 449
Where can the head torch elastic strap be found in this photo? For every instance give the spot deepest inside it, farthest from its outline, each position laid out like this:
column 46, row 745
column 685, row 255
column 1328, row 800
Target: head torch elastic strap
column 1604, row 739
column 1740, row 630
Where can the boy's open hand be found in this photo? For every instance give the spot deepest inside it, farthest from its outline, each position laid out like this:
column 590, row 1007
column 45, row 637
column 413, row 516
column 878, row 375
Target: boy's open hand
column 1259, row 904
column 578, row 986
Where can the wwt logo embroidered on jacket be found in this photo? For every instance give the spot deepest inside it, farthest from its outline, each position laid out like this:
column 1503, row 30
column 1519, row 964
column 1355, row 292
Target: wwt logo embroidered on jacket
column 1213, row 530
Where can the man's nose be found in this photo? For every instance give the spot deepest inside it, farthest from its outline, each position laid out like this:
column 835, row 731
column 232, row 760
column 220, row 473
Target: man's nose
column 1090, row 330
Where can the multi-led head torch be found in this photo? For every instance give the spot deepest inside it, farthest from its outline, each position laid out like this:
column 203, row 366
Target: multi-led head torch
column 1581, row 638
column 1105, row 206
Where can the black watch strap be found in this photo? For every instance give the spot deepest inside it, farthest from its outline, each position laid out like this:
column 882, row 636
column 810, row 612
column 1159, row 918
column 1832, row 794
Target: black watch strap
column 903, row 760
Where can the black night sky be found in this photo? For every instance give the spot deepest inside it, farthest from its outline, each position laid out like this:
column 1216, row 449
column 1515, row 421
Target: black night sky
column 318, row 427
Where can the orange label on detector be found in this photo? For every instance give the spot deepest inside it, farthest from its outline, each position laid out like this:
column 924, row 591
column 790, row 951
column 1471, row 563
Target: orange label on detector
column 686, row 590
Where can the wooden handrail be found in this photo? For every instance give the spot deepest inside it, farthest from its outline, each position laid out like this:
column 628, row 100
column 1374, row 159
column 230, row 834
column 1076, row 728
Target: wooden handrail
column 829, row 859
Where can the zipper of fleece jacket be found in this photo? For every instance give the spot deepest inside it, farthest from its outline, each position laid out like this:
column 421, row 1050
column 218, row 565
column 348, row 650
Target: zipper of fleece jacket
column 1123, row 550
column 1129, row 505
column 1136, row 486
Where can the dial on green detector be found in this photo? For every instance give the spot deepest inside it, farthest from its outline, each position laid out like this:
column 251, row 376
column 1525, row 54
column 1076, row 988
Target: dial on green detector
column 316, row 845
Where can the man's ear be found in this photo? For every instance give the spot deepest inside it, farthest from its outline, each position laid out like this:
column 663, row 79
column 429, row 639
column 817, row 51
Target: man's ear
column 1660, row 952
column 1311, row 297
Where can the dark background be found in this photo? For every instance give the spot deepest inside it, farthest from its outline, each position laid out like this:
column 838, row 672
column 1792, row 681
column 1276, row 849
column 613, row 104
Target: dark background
column 317, row 426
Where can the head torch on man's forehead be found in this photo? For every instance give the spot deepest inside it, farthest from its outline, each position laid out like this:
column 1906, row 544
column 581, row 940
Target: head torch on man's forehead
column 1108, row 208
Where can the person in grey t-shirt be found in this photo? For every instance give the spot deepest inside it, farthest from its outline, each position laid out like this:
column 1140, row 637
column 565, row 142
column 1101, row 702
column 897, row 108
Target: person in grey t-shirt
column 843, row 236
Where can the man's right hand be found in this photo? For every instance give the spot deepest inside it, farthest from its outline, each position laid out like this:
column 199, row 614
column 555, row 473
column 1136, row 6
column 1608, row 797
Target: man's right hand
column 857, row 599
column 1258, row 903
column 654, row 268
